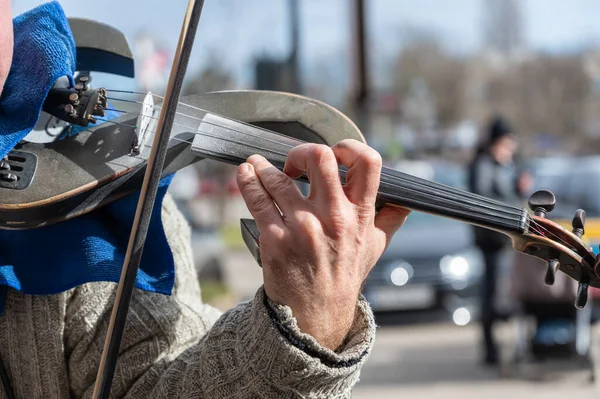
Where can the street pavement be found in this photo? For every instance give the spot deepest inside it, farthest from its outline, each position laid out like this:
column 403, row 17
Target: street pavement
column 441, row 361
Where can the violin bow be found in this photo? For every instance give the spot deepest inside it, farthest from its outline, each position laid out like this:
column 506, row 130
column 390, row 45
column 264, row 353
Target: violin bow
column 146, row 201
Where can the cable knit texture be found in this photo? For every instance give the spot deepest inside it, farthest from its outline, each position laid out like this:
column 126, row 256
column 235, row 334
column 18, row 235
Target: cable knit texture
column 174, row 346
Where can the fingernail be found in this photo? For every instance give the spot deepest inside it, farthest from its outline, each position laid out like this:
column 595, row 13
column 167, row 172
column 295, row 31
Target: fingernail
column 244, row 169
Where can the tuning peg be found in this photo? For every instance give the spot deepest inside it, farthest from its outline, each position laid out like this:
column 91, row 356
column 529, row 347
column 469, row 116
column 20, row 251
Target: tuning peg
column 551, row 269
column 74, row 98
column 542, row 202
column 70, row 110
column 582, row 295
column 578, row 222
column 98, row 110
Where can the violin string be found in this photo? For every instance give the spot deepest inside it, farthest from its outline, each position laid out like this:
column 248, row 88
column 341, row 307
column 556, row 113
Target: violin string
column 504, row 206
column 535, row 226
column 406, row 189
column 533, row 223
column 253, row 126
column 455, row 200
column 473, row 196
column 460, row 208
column 487, row 203
column 205, row 111
column 544, row 229
column 472, row 200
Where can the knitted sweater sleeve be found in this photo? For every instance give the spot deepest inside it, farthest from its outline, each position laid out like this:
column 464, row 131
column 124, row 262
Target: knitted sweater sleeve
column 176, row 347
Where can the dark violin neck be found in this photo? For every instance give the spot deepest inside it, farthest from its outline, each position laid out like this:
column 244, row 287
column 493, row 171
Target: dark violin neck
column 233, row 142
column 397, row 188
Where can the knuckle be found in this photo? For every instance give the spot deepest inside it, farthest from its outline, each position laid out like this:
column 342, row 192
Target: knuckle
column 366, row 211
column 371, row 159
column 274, row 233
column 322, row 154
column 308, row 223
column 347, row 143
column 245, row 182
column 340, row 224
column 257, row 200
column 277, row 181
column 298, row 150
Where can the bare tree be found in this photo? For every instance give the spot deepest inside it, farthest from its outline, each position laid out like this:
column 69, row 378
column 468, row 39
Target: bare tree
column 424, row 62
column 213, row 77
column 502, row 25
column 553, row 94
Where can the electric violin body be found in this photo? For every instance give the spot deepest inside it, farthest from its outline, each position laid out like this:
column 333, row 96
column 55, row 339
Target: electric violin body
column 66, row 178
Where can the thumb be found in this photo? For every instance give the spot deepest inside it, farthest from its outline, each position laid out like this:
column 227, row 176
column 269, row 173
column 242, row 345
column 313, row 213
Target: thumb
column 388, row 220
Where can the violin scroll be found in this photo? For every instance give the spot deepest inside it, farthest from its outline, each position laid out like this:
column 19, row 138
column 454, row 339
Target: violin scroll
column 560, row 248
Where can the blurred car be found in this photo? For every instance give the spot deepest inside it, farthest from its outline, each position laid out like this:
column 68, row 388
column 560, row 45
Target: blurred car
column 431, row 262
column 576, row 184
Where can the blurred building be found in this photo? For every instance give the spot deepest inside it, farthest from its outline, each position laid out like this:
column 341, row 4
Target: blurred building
column 272, row 74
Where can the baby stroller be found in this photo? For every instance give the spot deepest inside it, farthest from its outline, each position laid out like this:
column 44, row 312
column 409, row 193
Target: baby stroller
column 548, row 324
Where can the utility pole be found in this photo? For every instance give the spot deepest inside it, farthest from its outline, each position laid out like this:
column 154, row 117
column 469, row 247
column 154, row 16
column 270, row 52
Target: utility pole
column 361, row 84
column 294, row 67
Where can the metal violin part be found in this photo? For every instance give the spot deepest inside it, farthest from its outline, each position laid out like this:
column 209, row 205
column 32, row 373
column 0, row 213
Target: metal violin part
column 542, row 202
column 582, row 294
column 145, row 124
column 251, row 237
column 99, row 48
column 77, row 105
column 17, row 169
column 551, row 269
column 578, row 223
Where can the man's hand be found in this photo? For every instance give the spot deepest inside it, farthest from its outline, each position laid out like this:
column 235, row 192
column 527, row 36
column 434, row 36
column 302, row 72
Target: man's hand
column 317, row 252
column 6, row 41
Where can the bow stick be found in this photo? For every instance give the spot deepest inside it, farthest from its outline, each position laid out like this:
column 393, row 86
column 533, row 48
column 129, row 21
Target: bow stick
column 145, row 205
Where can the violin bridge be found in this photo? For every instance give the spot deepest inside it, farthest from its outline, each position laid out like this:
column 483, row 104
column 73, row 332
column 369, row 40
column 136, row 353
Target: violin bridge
column 145, row 122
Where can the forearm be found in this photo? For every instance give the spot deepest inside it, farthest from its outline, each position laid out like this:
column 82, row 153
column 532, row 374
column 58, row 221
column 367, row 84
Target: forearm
column 256, row 349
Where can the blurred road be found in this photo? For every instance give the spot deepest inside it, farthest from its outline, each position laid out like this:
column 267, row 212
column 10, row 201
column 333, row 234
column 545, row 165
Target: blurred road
column 441, row 361
column 436, row 360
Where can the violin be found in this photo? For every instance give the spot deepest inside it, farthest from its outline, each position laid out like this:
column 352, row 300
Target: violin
column 53, row 176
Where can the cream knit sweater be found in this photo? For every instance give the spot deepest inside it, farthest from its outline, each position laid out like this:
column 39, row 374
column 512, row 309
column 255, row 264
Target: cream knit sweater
column 174, row 346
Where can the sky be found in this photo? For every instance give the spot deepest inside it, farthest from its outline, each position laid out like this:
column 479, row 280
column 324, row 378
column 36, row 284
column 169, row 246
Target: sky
column 237, row 31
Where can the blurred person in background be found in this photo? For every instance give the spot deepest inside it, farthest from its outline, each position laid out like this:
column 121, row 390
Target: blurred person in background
column 493, row 174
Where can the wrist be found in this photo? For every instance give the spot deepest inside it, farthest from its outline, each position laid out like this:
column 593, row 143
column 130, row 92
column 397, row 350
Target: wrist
column 354, row 350
column 329, row 330
column 328, row 322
